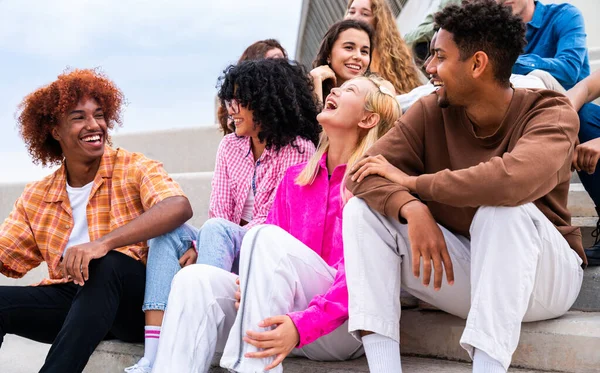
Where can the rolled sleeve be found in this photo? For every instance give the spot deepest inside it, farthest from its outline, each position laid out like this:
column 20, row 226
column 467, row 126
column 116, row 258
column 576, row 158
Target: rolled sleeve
column 18, row 250
column 155, row 184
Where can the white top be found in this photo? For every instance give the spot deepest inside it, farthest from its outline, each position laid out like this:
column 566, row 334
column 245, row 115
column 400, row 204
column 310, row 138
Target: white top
column 248, row 206
column 78, row 198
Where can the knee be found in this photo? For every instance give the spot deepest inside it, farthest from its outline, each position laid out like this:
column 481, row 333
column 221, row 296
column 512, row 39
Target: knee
column 216, row 224
column 262, row 241
column 355, row 207
column 169, row 243
column 112, row 265
column 501, row 216
column 357, row 213
column 197, row 276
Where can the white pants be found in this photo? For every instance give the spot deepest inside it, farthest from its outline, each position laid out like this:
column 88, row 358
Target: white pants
column 278, row 275
column 516, row 268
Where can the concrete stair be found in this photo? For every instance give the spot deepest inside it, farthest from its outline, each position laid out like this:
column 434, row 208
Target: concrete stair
column 568, row 344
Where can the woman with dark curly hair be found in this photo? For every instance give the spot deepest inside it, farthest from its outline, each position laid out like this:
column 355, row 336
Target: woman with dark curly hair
column 271, row 103
column 345, row 53
column 268, row 48
column 89, row 221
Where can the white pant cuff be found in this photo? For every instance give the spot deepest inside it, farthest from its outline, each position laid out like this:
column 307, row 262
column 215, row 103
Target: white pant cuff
column 373, row 323
column 472, row 339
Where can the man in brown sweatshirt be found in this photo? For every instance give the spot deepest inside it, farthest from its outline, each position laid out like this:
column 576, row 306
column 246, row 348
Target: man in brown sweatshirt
column 468, row 191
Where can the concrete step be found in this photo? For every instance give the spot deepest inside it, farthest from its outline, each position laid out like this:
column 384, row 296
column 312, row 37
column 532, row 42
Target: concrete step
column 567, row 344
column 19, row 355
column 180, row 150
column 579, row 203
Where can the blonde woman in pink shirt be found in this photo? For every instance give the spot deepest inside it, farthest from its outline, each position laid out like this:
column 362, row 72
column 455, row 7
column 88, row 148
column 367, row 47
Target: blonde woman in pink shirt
column 291, row 298
column 271, row 105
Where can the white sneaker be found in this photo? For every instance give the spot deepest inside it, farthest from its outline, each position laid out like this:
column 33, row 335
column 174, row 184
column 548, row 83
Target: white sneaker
column 142, row 366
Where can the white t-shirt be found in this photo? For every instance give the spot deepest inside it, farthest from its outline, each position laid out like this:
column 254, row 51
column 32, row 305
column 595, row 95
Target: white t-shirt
column 78, row 198
column 248, row 206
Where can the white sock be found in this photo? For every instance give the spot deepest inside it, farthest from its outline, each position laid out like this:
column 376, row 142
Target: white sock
column 151, row 337
column 484, row 363
column 383, row 354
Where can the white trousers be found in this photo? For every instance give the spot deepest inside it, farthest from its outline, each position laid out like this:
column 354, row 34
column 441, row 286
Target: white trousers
column 517, row 267
column 278, row 275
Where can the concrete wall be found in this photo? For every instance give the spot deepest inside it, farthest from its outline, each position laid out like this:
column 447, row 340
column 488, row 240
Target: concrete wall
column 180, row 150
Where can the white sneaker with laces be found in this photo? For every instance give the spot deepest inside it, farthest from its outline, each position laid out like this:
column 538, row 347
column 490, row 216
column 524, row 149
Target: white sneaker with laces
column 142, row 366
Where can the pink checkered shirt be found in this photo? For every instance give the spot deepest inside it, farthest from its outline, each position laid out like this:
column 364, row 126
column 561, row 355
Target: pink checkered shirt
column 236, row 172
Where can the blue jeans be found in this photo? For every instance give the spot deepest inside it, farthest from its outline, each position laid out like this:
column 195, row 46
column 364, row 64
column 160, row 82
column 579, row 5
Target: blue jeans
column 589, row 117
column 163, row 264
column 218, row 242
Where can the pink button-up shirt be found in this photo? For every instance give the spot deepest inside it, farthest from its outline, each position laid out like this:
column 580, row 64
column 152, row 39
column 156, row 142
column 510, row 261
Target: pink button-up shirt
column 236, row 172
column 313, row 215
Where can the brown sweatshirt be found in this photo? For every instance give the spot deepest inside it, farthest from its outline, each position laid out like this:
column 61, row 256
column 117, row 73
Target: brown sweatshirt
column 528, row 159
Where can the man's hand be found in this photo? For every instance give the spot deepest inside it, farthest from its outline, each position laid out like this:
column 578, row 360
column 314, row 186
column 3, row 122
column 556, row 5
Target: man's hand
column 238, row 294
column 77, row 259
column 279, row 341
column 189, row 257
column 586, row 155
column 427, row 242
column 378, row 165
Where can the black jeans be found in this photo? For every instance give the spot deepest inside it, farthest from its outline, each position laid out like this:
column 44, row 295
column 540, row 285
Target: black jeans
column 76, row 319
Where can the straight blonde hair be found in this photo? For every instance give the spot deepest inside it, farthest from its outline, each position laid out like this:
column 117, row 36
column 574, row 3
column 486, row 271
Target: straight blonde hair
column 380, row 101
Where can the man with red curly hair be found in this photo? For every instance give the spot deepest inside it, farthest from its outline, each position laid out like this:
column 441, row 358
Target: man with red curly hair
column 88, row 221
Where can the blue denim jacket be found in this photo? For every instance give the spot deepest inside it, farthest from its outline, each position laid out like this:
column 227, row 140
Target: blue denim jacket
column 556, row 43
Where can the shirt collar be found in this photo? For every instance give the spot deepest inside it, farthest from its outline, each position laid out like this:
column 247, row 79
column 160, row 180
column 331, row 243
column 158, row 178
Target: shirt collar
column 323, row 165
column 57, row 191
column 538, row 15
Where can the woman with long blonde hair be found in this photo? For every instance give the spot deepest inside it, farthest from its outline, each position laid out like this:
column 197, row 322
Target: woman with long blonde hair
column 291, row 296
column 391, row 58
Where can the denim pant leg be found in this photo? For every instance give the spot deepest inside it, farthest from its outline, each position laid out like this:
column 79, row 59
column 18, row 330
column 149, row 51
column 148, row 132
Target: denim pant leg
column 589, row 117
column 163, row 264
column 219, row 243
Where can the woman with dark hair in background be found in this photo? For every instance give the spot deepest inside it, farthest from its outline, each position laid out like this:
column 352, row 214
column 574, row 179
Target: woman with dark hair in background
column 268, row 48
column 391, row 59
column 345, row 53
column 271, row 105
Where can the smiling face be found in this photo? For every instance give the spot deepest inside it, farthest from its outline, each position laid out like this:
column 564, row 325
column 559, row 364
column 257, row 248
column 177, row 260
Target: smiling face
column 447, row 71
column 345, row 106
column 82, row 132
column 349, row 56
column 242, row 118
column 361, row 10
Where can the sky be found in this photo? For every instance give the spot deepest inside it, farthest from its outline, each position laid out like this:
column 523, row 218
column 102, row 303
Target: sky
column 165, row 55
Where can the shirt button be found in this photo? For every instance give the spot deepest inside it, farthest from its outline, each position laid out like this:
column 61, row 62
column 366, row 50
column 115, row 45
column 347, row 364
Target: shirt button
column 67, row 226
column 532, row 65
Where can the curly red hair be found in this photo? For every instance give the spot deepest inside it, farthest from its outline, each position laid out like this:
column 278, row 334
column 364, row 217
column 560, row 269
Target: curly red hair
column 45, row 108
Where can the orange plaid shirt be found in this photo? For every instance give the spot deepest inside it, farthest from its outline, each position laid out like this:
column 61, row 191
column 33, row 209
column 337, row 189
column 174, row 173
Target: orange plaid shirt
column 38, row 228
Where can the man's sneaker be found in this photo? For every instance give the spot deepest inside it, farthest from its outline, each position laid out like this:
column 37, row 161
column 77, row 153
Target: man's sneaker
column 142, row 366
column 593, row 253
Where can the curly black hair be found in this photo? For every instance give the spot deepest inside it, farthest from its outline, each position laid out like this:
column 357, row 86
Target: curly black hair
column 329, row 40
column 279, row 93
column 484, row 25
